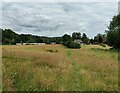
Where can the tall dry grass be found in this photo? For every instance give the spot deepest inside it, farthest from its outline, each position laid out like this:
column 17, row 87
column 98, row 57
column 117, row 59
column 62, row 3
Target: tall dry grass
column 34, row 68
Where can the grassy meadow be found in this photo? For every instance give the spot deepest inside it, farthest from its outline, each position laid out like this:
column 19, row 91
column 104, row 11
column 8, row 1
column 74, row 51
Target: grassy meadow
column 56, row 68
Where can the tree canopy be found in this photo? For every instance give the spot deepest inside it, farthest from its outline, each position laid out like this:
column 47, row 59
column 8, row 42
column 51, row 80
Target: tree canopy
column 113, row 32
column 85, row 39
column 76, row 35
column 10, row 37
column 68, row 42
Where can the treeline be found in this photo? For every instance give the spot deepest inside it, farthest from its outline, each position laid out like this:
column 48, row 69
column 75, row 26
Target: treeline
column 9, row 37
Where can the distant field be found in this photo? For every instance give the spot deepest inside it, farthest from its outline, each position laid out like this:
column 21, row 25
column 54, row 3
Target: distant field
column 56, row 68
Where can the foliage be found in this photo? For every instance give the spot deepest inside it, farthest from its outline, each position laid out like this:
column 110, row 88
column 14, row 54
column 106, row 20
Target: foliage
column 72, row 44
column 10, row 37
column 91, row 41
column 85, row 39
column 113, row 33
column 100, row 38
column 68, row 42
column 28, row 68
column 76, row 35
column 52, row 51
column 66, row 38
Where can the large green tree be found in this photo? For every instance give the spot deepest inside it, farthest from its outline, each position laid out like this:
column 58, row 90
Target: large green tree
column 68, row 42
column 76, row 35
column 100, row 39
column 85, row 39
column 66, row 38
column 9, row 37
column 113, row 33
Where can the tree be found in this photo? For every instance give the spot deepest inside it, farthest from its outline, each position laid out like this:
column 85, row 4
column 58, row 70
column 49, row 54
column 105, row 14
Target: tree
column 85, row 38
column 76, row 35
column 68, row 42
column 9, row 37
column 92, row 41
column 95, row 40
column 73, row 45
column 104, row 37
column 113, row 32
column 66, row 38
column 100, row 38
column 24, row 38
column 58, row 40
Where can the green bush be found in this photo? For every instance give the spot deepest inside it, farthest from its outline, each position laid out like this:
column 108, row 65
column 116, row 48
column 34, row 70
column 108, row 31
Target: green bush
column 71, row 44
column 52, row 51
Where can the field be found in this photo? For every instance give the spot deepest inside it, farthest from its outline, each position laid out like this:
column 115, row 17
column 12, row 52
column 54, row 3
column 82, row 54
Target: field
column 56, row 68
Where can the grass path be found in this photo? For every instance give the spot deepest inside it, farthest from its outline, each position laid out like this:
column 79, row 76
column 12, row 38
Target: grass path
column 76, row 81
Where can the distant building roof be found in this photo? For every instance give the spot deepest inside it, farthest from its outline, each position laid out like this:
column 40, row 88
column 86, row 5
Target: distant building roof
column 79, row 41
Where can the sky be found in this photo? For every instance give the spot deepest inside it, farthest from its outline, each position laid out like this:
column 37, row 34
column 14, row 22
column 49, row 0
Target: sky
column 58, row 18
column 60, row 0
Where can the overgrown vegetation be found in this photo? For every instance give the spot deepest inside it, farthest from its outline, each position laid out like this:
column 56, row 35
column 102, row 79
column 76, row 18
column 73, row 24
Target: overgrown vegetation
column 68, row 42
column 9, row 37
column 41, row 68
column 113, row 33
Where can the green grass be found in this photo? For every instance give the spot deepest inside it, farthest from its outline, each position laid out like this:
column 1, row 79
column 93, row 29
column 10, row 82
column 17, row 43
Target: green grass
column 77, row 80
column 69, row 54
column 55, row 68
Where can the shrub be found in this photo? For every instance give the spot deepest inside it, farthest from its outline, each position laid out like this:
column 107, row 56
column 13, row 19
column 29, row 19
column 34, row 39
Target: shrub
column 52, row 51
column 71, row 44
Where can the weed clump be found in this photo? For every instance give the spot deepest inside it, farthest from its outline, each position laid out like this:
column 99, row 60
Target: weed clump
column 52, row 51
column 72, row 45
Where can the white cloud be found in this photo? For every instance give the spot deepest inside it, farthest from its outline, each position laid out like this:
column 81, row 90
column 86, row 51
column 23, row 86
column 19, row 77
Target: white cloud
column 56, row 19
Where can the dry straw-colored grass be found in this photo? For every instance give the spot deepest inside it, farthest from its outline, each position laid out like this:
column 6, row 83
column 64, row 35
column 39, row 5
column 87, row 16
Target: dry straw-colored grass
column 56, row 68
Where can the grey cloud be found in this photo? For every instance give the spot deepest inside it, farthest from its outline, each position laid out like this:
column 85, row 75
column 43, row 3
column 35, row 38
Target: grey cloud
column 29, row 26
column 56, row 19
